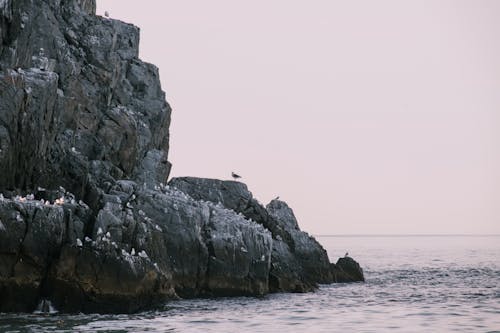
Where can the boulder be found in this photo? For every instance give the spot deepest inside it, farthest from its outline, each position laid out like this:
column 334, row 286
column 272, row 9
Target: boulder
column 347, row 270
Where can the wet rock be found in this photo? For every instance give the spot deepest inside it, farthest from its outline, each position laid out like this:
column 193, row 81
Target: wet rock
column 103, row 279
column 347, row 270
column 31, row 236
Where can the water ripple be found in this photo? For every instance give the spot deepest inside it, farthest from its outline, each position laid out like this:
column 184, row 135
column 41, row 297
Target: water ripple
column 453, row 289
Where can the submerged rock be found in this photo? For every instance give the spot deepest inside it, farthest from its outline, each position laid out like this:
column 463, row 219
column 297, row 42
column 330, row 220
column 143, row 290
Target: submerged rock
column 86, row 222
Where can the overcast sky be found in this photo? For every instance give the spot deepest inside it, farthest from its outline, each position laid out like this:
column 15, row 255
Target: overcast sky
column 367, row 117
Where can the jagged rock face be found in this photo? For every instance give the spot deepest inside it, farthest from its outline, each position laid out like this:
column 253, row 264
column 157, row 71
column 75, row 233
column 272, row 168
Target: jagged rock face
column 103, row 281
column 144, row 246
column 313, row 265
column 299, row 262
column 233, row 195
column 78, row 109
column 84, row 129
column 44, row 254
column 82, row 112
column 31, row 237
column 208, row 249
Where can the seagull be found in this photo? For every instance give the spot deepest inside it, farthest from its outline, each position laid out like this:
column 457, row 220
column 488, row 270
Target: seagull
column 235, row 176
column 106, row 13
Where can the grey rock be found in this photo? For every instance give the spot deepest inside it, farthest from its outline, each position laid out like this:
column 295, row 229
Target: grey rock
column 239, row 255
column 30, row 242
column 232, row 195
column 104, row 280
column 78, row 110
column 312, row 263
column 347, row 270
column 86, row 222
column 208, row 250
column 84, row 110
column 299, row 262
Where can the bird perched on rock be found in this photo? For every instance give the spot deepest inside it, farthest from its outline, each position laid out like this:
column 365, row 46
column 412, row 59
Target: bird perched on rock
column 235, row 176
column 106, row 13
column 346, row 255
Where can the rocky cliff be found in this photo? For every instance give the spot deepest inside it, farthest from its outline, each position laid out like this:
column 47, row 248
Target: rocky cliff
column 86, row 218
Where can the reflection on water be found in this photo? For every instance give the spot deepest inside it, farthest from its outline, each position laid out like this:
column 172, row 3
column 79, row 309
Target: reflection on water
column 414, row 284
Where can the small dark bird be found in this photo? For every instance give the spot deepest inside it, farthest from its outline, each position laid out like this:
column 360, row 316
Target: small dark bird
column 106, row 13
column 346, row 254
column 277, row 198
column 235, row 176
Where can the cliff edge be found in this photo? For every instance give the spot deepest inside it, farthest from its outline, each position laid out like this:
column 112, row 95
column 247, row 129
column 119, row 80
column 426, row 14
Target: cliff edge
column 87, row 219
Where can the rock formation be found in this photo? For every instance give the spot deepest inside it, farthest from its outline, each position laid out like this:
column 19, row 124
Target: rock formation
column 86, row 220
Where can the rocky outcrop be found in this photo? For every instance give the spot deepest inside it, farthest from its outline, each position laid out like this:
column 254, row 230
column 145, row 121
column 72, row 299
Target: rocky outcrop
column 86, row 220
column 299, row 262
column 78, row 108
column 347, row 270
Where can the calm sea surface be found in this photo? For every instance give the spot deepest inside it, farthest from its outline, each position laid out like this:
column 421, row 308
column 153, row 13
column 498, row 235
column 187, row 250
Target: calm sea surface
column 414, row 284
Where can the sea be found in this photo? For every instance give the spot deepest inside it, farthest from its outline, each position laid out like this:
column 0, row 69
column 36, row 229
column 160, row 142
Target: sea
column 413, row 284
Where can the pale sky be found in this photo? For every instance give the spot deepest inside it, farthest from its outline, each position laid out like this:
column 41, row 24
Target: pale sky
column 367, row 117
